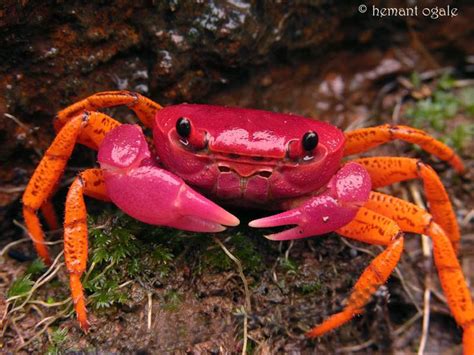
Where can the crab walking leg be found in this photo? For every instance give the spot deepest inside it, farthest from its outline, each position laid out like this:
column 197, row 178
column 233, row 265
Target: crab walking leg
column 372, row 228
column 94, row 131
column 44, row 179
column 96, row 128
column 144, row 108
column 50, row 170
column 363, row 139
column 91, row 183
column 324, row 213
column 49, row 214
column 385, row 171
column 414, row 219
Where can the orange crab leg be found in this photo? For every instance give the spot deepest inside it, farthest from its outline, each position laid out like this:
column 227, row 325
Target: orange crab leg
column 95, row 130
column 50, row 170
column 385, row 227
column 143, row 107
column 374, row 228
column 47, row 210
column 45, row 178
column 363, row 139
column 414, row 219
column 89, row 182
column 385, row 171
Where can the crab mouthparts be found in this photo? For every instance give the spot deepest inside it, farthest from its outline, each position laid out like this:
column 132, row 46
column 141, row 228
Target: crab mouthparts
column 245, row 170
column 243, row 181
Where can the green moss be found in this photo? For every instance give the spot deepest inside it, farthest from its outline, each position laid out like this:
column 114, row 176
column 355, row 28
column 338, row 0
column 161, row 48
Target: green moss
column 314, row 287
column 58, row 337
column 459, row 137
column 173, row 299
column 288, row 265
column 123, row 249
column 36, row 267
column 444, row 104
column 434, row 111
column 466, row 96
column 446, row 82
column 241, row 247
column 20, row 287
column 415, row 80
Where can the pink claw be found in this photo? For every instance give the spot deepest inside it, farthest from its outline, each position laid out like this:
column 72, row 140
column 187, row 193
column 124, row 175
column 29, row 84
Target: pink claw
column 347, row 191
column 151, row 194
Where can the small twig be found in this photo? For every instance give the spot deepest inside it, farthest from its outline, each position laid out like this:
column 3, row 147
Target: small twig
column 461, row 83
column 16, row 120
column 25, row 127
column 18, row 224
column 362, row 250
column 287, row 252
column 46, row 326
column 12, row 190
column 407, row 324
column 244, row 345
column 15, row 327
column 426, row 247
column 407, row 289
column 468, row 217
column 12, row 244
column 366, row 344
column 150, row 304
column 396, row 111
column 107, row 268
column 50, row 305
column 358, row 347
column 52, row 271
column 248, row 305
column 88, row 274
column 126, row 283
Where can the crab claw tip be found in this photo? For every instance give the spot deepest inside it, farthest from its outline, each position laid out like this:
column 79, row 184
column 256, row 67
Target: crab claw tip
column 254, row 223
column 232, row 221
column 270, row 236
column 281, row 219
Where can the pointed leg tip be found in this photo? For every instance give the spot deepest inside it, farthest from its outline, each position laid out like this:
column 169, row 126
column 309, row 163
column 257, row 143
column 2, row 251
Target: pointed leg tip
column 310, row 335
column 315, row 332
column 84, row 324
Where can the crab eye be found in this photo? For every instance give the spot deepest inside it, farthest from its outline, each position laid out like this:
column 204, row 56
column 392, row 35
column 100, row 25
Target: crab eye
column 183, row 127
column 310, row 141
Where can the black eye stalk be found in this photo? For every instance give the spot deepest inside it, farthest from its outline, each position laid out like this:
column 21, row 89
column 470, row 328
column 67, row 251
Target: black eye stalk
column 183, row 127
column 191, row 138
column 310, row 141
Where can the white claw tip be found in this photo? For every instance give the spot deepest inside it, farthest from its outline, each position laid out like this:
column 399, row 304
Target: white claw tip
column 270, row 237
column 254, row 224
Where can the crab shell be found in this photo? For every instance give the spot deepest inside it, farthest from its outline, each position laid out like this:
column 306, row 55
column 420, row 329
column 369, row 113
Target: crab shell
column 247, row 155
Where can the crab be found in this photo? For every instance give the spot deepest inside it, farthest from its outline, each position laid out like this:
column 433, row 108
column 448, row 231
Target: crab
column 251, row 158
